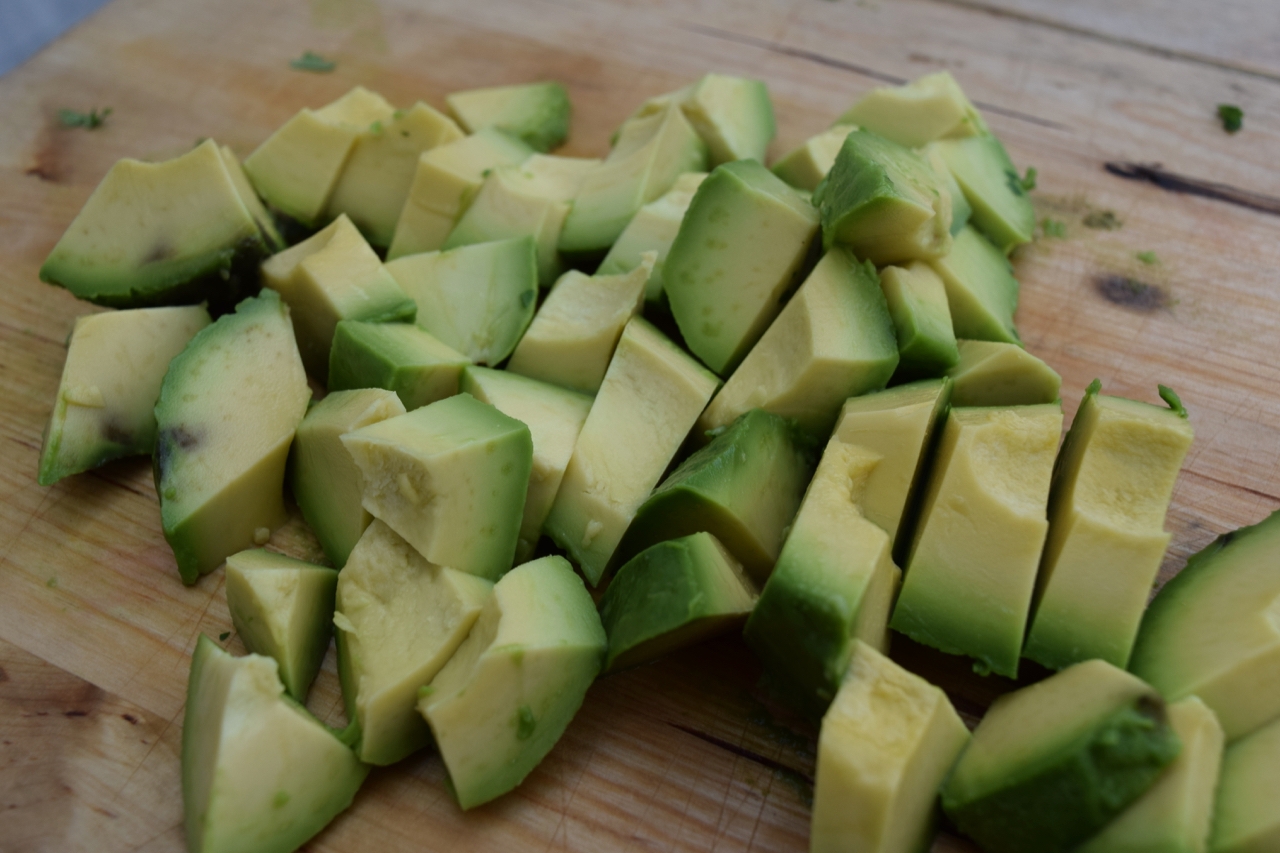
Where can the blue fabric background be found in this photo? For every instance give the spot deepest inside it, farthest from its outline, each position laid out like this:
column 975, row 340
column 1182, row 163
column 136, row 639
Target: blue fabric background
column 28, row 25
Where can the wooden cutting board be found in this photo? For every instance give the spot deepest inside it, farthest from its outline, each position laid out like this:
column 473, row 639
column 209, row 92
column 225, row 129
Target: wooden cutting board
column 96, row 631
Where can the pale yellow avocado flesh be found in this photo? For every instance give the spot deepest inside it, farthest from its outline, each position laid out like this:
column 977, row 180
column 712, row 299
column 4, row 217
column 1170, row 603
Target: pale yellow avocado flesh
column 732, row 115
column 928, row 108
column 399, row 620
column 886, row 744
column 248, row 195
column 1245, row 818
column 652, row 229
column 806, row 166
column 992, row 373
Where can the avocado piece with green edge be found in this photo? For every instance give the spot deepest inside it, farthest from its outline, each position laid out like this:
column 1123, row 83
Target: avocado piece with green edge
column 961, row 210
column 915, row 114
column 917, row 301
column 981, row 290
column 805, row 167
column 652, row 229
column 398, row 357
column 535, row 113
column 732, row 115
column 253, row 204
column 1245, row 819
column 1001, row 208
column 996, row 373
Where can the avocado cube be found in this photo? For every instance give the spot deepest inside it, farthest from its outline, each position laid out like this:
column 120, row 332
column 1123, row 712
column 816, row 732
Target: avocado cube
column 322, row 475
column 832, row 341
column 961, row 210
column 1001, row 208
column 397, row 357
column 1111, row 488
column 652, row 229
column 885, row 747
column 509, row 692
column 981, row 290
column 928, row 108
column 671, row 595
column 993, row 373
column 805, row 167
column 917, row 301
column 1051, row 764
column 1245, row 819
column 225, row 418
column 283, row 608
column 535, row 113
column 106, row 398
column 732, row 115
column 253, row 204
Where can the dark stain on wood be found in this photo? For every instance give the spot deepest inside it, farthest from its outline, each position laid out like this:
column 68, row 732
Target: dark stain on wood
column 75, row 713
column 47, row 161
column 130, row 719
column 743, row 752
column 1156, row 174
column 1131, row 293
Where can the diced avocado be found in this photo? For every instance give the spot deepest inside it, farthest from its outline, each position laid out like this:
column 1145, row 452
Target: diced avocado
column 296, row 169
column 259, row 773
column 450, row 478
column 573, row 336
column 253, row 204
column 1175, row 814
column 1214, row 630
column 741, row 247
column 476, row 299
column 1111, row 488
column 833, row 585
column 554, row 416
column 806, row 166
column 283, row 608
column 886, row 745
column 444, row 183
column 884, row 202
column 928, row 108
column 993, row 373
column 510, row 691
column 375, row 181
column 651, row 395
column 972, row 566
column 744, row 487
column 330, row 277
column 961, row 210
column 110, row 381
column 1245, row 818
column 226, row 415
column 652, row 229
column 832, row 341
column 161, row 234
column 396, row 356
column 671, row 595
column 399, row 620
column 1001, row 208
column 921, row 318
column 1051, row 764
column 650, row 153
column 322, row 475
column 732, row 115
column 981, row 290
column 535, row 113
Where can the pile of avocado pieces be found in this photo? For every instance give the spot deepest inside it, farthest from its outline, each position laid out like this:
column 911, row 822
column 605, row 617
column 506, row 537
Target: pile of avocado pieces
column 863, row 444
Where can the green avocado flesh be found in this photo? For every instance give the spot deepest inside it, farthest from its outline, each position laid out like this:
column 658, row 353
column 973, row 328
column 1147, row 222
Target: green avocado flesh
column 992, row 373
column 981, row 290
column 652, row 229
column 732, row 115
column 259, row 773
column 1001, row 208
column 399, row 357
column 225, row 418
column 928, row 108
column 805, row 167
column 921, row 318
column 1245, row 818
column 1051, row 764
column 535, row 113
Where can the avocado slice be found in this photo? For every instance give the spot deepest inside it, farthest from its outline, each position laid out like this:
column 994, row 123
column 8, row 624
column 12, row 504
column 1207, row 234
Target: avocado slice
column 1112, row 484
column 995, row 373
column 1212, row 631
column 1051, row 764
column 981, row 290
column 652, row 229
column 220, row 476
column 259, row 773
column 885, row 747
column 161, row 234
column 396, row 356
column 1001, row 208
column 399, row 619
column 1245, row 819
column 732, row 115
column 535, row 113
column 806, row 166
column 917, row 301
column 322, row 475
column 928, row 108
column 671, row 595
column 283, row 608
column 509, row 692
column 106, row 398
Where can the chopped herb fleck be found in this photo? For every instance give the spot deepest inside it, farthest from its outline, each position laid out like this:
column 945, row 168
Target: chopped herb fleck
column 1054, row 228
column 376, row 127
column 312, row 61
column 1171, row 397
column 89, row 120
column 1095, row 388
column 52, row 583
column 222, row 638
column 1232, row 117
column 1102, row 220
column 1148, row 258
column 1029, row 182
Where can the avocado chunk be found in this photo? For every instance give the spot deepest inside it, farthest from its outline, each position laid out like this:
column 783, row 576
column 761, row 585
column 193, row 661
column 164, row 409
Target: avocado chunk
column 1111, row 488
column 259, row 773
column 917, row 301
column 225, row 418
column 115, row 364
column 330, row 277
column 981, row 290
column 374, row 183
column 886, row 744
column 166, row 233
column 507, row 695
column 297, row 168
column 253, row 204
column 742, row 245
column 1051, row 764
column 744, row 487
column 928, row 108
column 994, row 373
column 450, row 478
column 1176, row 812
column 535, row 113
column 399, row 620
column 806, row 166
column 671, row 595
column 972, row 566
column 1213, row 632
column 476, row 299
column 732, row 115
column 554, row 416
column 445, row 181
column 324, row 478
column 961, row 210
column 832, row 341
column 1001, row 208
column 884, row 202
column 1245, row 818
column 397, row 357
column 651, row 395
column 283, row 608
column 652, row 229
column 573, row 335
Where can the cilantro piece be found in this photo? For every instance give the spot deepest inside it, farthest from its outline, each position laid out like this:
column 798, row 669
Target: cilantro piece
column 52, row 583
column 1029, row 182
column 1103, row 220
column 312, row 61
column 1232, row 117
column 1169, row 396
column 1148, row 258
column 1095, row 387
column 89, row 120
column 1054, row 228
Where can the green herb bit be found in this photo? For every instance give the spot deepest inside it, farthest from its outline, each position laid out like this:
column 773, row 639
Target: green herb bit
column 1232, row 117
column 89, row 120
column 1148, row 258
column 1103, row 220
column 52, row 583
column 1169, row 396
column 1029, row 182
column 312, row 61
column 1054, row 228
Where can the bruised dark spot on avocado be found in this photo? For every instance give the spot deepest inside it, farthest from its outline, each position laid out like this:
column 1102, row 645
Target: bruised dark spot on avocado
column 160, row 252
column 171, row 440
column 116, row 433
column 1131, row 293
